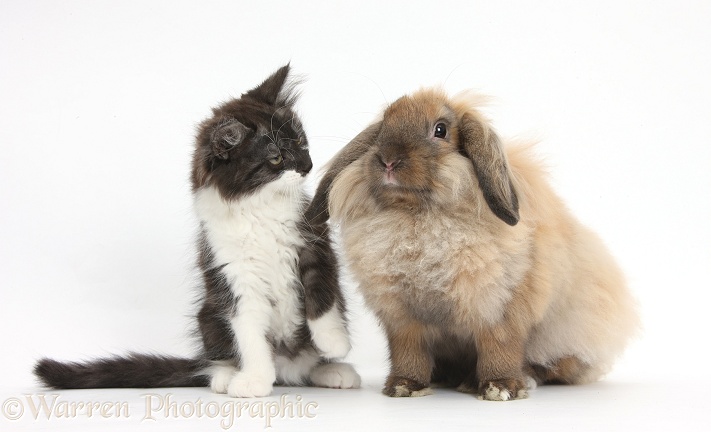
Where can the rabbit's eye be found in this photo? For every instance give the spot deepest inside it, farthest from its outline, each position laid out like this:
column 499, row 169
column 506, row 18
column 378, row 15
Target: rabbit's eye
column 440, row 130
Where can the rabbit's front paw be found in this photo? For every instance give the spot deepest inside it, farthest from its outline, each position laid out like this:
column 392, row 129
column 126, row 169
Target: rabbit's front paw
column 405, row 387
column 503, row 390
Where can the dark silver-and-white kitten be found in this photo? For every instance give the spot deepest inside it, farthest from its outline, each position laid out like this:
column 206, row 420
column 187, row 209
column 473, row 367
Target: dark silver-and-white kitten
column 272, row 310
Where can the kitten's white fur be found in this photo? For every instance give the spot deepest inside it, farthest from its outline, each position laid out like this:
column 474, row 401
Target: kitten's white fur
column 256, row 238
column 335, row 375
column 329, row 334
column 220, row 376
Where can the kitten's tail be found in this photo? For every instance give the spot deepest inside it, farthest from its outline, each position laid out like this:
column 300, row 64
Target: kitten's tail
column 131, row 371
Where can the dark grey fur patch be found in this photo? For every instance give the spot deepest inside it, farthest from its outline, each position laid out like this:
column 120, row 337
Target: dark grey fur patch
column 131, row 371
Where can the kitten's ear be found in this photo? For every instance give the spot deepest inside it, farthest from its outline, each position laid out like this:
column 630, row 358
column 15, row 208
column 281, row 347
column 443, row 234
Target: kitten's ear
column 274, row 90
column 226, row 137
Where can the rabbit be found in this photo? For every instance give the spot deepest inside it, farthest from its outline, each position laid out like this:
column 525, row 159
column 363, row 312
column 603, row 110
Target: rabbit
column 478, row 273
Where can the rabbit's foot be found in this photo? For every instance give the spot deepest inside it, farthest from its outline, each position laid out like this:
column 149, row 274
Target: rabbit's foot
column 503, row 389
column 396, row 386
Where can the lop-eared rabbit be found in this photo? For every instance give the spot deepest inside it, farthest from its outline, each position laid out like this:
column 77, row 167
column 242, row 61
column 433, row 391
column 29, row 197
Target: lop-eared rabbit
column 478, row 273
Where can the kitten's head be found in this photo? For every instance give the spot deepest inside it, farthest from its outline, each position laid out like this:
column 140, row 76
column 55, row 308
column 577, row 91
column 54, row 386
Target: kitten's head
column 252, row 141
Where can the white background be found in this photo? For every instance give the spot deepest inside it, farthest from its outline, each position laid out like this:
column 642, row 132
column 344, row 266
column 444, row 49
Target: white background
column 98, row 106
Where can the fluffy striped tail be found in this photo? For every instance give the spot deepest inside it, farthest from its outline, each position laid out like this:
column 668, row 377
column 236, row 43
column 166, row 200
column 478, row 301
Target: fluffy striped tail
column 131, row 371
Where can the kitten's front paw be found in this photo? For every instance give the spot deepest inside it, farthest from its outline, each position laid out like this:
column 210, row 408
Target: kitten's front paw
column 335, row 375
column 221, row 379
column 405, row 387
column 503, row 390
column 332, row 344
column 330, row 336
column 245, row 385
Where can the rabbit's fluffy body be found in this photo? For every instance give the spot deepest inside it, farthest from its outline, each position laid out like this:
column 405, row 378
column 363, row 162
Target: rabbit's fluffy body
column 464, row 297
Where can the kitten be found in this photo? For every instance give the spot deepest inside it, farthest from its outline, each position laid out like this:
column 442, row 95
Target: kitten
column 272, row 310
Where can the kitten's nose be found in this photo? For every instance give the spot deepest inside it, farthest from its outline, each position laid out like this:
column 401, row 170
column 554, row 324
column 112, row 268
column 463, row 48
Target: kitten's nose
column 306, row 168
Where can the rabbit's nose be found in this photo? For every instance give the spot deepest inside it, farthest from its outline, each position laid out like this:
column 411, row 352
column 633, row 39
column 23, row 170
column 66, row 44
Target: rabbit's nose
column 390, row 166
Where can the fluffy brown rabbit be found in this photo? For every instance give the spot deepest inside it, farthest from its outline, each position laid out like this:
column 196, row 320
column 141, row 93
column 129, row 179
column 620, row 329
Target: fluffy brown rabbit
column 480, row 276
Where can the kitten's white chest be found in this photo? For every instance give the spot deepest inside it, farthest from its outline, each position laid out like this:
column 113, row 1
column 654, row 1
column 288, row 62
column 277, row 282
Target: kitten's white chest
column 256, row 239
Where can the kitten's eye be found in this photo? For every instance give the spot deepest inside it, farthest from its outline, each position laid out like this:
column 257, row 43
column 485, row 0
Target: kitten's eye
column 230, row 139
column 276, row 160
column 440, row 131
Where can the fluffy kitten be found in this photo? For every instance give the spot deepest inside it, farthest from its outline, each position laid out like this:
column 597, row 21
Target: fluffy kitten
column 272, row 310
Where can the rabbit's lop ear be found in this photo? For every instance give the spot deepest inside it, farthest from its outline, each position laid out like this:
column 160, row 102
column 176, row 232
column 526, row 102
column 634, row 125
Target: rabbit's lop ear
column 317, row 212
column 481, row 144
